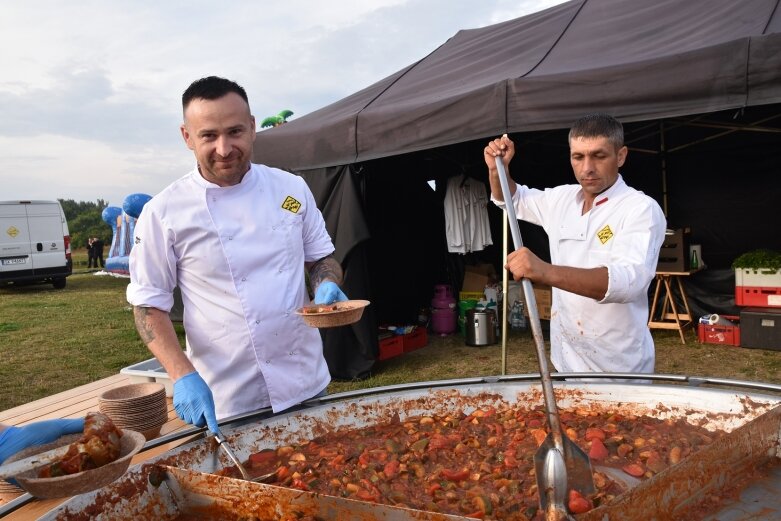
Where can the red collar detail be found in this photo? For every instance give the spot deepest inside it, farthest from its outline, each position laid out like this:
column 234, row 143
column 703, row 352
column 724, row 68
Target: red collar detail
column 600, row 201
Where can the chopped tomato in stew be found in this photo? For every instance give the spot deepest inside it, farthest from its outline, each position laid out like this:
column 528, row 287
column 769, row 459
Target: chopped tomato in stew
column 478, row 465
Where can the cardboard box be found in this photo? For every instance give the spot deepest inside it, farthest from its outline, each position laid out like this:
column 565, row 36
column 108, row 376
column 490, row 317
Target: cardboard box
column 543, row 295
column 477, row 277
column 761, row 328
column 544, row 310
column 471, row 295
column 415, row 340
column 718, row 334
column 674, row 253
column 391, row 346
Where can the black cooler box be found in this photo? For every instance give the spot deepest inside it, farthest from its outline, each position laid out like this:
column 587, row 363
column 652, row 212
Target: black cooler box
column 760, row 328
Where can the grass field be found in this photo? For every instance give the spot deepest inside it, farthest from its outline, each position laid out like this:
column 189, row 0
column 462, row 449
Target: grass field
column 53, row 340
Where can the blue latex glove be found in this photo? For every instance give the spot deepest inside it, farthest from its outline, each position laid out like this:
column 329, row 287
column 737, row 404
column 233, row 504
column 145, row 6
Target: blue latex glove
column 328, row 293
column 194, row 402
column 14, row 439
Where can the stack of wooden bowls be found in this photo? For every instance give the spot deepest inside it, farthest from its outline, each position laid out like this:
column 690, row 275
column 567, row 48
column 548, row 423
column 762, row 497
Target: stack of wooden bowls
column 139, row 407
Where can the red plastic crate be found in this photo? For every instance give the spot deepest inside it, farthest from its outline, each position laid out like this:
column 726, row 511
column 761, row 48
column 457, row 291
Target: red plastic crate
column 718, row 334
column 756, row 296
column 390, row 347
column 415, row 340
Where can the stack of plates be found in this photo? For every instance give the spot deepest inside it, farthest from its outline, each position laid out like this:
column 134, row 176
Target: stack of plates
column 138, row 407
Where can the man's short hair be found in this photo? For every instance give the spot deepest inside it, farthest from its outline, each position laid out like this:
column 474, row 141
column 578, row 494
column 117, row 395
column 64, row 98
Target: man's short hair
column 211, row 88
column 599, row 125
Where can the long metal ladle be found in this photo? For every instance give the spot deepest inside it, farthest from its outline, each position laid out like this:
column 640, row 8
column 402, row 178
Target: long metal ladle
column 220, row 439
column 559, row 463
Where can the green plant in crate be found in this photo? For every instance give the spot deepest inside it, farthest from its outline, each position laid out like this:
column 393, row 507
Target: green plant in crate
column 764, row 261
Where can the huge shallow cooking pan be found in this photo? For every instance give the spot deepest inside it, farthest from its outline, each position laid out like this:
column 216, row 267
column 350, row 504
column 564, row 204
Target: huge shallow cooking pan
column 174, row 484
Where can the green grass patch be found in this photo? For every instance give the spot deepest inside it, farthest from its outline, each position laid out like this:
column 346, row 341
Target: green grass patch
column 54, row 340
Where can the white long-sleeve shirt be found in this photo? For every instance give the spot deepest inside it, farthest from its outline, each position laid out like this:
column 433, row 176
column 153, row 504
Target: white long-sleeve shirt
column 467, row 227
column 237, row 253
column 623, row 231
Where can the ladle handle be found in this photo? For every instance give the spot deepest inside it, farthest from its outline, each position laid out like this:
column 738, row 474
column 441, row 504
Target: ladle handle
column 534, row 317
column 220, row 439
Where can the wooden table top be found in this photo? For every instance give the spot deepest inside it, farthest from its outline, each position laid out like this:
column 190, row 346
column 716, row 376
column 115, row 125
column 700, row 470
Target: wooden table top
column 76, row 403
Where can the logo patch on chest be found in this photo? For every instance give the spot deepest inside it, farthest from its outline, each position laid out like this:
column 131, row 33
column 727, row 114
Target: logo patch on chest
column 291, row 205
column 605, row 234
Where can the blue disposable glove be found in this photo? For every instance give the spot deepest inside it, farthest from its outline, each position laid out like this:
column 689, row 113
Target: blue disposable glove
column 194, row 402
column 14, row 439
column 328, row 293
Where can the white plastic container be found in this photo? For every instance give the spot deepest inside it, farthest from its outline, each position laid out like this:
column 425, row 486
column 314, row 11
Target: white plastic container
column 149, row 371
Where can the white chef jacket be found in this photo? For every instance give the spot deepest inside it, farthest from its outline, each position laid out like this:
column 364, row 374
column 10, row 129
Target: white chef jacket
column 237, row 253
column 623, row 231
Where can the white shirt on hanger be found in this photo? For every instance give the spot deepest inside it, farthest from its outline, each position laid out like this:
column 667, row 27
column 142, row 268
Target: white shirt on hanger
column 467, row 227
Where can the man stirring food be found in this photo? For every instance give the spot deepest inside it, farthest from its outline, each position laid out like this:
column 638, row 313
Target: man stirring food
column 236, row 238
column 604, row 244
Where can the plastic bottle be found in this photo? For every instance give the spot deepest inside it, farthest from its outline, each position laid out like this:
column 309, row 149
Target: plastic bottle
column 517, row 320
column 524, row 323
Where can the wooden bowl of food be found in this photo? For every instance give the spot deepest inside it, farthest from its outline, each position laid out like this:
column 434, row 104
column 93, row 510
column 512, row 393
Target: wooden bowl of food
column 333, row 315
column 87, row 462
column 70, row 485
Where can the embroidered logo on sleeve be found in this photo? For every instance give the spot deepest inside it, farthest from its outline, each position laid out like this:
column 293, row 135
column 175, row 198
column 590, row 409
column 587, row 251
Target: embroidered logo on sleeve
column 605, row 234
column 291, row 205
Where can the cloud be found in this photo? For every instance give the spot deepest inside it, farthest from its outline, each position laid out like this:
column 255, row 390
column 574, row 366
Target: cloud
column 94, row 112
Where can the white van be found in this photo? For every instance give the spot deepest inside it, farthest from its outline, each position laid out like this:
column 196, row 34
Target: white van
column 35, row 244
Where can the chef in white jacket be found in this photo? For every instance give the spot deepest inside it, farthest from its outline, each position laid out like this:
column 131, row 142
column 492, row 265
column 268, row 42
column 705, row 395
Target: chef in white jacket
column 604, row 243
column 237, row 238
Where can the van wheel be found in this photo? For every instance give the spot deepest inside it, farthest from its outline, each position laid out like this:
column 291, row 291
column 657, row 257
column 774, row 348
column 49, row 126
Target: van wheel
column 59, row 283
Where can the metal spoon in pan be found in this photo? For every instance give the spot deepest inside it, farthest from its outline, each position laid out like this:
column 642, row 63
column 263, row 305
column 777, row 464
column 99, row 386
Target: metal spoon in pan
column 560, row 465
column 220, row 439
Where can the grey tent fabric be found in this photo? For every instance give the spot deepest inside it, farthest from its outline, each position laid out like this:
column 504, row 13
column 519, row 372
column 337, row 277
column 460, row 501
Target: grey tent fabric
column 657, row 65
column 635, row 59
column 349, row 351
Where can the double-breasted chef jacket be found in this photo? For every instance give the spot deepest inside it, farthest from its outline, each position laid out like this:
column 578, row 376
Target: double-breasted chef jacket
column 237, row 253
column 623, row 231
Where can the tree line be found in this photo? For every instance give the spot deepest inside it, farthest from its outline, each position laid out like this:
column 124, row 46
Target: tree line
column 85, row 220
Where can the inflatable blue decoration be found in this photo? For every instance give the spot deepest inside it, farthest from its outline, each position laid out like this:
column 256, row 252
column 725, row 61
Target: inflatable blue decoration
column 123, row 222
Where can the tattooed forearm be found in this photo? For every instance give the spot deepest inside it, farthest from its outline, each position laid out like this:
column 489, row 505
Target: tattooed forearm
column 326, row 268
column 144, row 326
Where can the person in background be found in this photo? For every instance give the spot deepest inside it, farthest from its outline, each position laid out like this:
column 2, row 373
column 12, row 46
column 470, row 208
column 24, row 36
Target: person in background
column 236, row 238
column 604, row 244
column 97, row 252
column 91, row 253
column 15, row 439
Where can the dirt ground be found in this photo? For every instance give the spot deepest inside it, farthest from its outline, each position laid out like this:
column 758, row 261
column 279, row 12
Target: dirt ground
column 450, row 357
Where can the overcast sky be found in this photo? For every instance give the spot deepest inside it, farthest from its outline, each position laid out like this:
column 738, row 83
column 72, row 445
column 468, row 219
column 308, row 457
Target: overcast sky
column 90, row 91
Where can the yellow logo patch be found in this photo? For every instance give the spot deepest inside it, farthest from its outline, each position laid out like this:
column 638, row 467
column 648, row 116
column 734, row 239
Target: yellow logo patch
column 12, row 231
column 291, row 205
column 605, row 234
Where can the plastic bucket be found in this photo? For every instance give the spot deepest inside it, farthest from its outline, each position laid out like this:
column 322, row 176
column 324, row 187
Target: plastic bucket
column 463, row 307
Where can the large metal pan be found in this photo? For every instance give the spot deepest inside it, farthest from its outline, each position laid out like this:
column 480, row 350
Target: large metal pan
column 135, row 497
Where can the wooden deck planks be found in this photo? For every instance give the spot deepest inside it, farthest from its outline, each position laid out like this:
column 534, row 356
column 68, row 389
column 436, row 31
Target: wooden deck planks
column 74, row 403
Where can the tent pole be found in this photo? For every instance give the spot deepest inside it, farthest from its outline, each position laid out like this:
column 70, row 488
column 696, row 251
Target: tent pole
column 663, row 157
column 504, row 293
